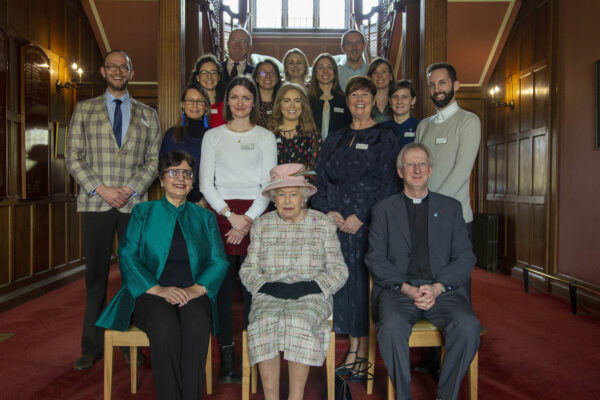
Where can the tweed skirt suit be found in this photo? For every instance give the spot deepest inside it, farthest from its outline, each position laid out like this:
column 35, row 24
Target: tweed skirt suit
column 288, row 252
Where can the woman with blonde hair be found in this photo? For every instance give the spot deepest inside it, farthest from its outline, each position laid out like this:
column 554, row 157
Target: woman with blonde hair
column 298, row 140
column 295, row 67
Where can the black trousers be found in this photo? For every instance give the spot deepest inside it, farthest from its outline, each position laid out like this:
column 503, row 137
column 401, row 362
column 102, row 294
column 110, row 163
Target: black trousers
column 225, row 301
column 452, row 314
column 98, row 231
column 178, row 344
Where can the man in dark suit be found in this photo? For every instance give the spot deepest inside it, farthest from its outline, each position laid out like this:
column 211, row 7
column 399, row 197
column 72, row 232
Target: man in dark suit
column 421, row 258
column 112, row 152
column 238, row 51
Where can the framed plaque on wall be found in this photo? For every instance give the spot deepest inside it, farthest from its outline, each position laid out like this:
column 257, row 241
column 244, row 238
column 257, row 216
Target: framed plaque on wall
column 35, row 110
column 3, row 95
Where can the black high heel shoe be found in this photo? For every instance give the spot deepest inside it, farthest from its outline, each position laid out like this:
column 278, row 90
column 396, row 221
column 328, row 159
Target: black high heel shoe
column 360, row 373
column 346, row 369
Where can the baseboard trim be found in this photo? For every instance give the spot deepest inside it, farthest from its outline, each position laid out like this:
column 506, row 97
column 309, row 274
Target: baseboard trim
column 36, row 289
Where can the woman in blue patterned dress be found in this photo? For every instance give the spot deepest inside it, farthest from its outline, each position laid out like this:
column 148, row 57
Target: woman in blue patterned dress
column 355, row 169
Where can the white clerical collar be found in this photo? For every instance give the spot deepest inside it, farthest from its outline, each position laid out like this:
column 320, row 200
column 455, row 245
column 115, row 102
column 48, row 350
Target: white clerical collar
column 443, row 115
column 417, row 201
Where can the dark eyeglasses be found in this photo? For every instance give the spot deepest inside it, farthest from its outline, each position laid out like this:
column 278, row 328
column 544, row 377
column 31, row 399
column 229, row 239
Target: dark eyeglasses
column 113, row 67
column 265, row 74
column 175, row 173
column 211, row 73
column 192, row 102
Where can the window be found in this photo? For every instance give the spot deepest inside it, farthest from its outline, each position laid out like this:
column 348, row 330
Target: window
column 300, row 14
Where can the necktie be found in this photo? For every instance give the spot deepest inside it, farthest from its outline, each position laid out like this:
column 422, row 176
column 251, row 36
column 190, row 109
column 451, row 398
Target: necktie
column 117, row 121
column 234, row 71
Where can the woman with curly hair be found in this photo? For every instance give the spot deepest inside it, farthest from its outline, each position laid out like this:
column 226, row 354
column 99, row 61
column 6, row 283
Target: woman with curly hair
column 268, row 79
column 208, row 73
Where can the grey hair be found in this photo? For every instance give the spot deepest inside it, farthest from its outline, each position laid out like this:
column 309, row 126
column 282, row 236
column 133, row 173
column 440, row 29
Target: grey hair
column 304, row 191
column 412, row 146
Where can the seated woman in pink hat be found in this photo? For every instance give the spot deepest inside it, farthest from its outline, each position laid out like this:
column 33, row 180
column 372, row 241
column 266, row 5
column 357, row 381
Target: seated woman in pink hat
column 293, row 268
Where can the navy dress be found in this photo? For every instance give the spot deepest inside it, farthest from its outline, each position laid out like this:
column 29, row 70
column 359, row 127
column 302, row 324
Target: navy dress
column 355, row 170
column 405, row 131
column 192, row 143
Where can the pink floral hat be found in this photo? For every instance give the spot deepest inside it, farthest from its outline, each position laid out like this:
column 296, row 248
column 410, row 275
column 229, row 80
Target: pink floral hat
column 289, row 175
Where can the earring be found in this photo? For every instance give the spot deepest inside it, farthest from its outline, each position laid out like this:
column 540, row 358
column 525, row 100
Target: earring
column 205, row 121
column 183, row 118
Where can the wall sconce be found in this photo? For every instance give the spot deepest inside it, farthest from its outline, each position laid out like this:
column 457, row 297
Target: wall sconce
column 495, row 95
column 76, row 79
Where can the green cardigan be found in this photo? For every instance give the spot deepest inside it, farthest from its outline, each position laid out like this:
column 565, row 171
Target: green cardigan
column 144, row 249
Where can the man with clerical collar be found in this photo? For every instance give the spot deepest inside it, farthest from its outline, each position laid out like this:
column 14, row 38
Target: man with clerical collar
column 353, row 45
column 238, row 50
column 453, row 135
column 421, row 259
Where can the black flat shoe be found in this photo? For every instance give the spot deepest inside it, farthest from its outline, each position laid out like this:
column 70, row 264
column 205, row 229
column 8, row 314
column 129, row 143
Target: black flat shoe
column 346, row 369
column 86, row 361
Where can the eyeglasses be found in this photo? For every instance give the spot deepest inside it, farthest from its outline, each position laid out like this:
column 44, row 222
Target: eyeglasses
column 211, row 73
column 192, row 102
column 113, row 67
column 413, row 166
column 265, row 74
column 175, row 173
column 235, row 40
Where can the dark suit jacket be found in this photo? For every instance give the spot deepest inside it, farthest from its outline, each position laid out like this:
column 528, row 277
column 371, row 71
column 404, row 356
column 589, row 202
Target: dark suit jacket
column 226, row 78
column 339, row 115
column 450, row 252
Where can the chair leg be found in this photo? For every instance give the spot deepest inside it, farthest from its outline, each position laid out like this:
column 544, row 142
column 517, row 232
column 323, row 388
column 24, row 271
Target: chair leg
column 371, row 356
column 330, row 367
column 245, row 367
column 133, row 367
column 254, row 378
column 209, row 366
column 473, row 376
column 108, row 365
column 391, row 392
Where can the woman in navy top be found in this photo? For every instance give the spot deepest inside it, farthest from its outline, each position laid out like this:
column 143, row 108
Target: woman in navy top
column 403, row 97
column 188, row 134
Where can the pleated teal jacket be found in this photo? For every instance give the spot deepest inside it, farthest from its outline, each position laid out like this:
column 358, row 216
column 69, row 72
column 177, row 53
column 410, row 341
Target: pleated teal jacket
column 144, row 249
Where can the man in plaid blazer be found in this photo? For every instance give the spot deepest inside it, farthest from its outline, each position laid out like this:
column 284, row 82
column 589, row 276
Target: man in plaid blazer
column 112, row 152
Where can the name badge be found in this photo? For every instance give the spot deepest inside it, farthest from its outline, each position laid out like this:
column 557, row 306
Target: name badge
column 214, row 111
column 338, row 110
column 441, row 140
column 270, row 112
column 247, row 146
column 362, row 146
column 409, row 134
column 278, row 140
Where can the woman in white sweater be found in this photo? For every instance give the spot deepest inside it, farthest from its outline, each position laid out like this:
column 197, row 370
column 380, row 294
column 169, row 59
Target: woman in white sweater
column 235, row 163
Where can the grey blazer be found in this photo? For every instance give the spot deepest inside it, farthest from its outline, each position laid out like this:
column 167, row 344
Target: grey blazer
column 450, row 252
column 93, row 156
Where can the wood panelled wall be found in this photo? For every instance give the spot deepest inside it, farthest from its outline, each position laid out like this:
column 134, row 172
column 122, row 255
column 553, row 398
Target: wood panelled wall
column 518, row 142
column 40, row 239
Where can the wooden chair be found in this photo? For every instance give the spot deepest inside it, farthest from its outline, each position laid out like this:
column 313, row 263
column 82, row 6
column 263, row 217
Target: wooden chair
column 250, row 374
column 424, row 334
column 134, row 338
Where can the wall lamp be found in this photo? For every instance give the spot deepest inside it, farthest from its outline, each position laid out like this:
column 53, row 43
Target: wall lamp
column 495, row 95
column 76, row 79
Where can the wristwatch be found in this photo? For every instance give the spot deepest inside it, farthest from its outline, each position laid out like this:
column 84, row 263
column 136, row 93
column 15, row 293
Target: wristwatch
column 227, row 214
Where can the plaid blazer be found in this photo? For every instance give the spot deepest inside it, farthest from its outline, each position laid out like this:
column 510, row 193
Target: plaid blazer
column 94, row 158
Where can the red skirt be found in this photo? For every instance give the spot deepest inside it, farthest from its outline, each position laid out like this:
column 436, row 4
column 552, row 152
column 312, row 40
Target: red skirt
column 239, row 207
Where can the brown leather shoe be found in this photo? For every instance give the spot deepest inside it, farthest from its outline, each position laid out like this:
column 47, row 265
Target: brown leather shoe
column 86, row 361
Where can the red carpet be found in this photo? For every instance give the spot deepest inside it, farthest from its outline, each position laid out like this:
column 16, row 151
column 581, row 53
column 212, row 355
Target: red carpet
column 535, row 349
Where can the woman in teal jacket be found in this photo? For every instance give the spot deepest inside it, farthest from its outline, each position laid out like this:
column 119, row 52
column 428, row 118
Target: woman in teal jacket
column 172, row 264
